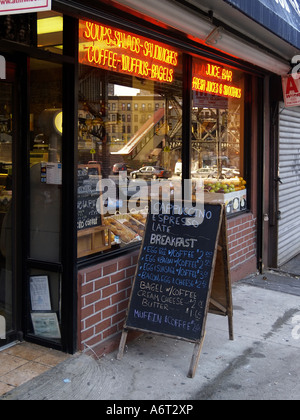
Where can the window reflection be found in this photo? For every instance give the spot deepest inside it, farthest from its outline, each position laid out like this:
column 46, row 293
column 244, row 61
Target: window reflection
column 45, row 160
column 218, row 133
column 131, row 128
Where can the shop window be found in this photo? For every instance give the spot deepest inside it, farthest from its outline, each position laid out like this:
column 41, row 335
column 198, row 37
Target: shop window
column 114, row 199
column 45, row 160
column 218, row 133
column 44, row 297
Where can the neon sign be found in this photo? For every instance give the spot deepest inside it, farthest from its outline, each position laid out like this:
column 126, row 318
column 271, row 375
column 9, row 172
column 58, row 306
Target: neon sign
column 215, row 80
column 111, row 49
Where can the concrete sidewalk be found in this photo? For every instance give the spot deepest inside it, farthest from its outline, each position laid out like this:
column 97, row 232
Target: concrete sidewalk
column 262, row 363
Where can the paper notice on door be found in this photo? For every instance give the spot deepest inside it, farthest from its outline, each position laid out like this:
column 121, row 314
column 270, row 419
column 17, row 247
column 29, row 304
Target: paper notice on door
column 45, row 325
column 51, row 173
column 39, row 293
column 54, row 173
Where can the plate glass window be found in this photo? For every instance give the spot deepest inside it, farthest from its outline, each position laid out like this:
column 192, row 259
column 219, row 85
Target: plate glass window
column 130, row 133
column 218, row 133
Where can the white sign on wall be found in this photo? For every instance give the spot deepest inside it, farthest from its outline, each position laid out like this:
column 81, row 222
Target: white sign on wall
column 10, row 7
column 2, row 68
column 291, row 90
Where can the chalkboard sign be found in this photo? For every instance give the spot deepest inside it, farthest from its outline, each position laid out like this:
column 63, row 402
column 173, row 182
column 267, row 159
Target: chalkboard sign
column 88, row 216
column 174, row 274
column 177, row 282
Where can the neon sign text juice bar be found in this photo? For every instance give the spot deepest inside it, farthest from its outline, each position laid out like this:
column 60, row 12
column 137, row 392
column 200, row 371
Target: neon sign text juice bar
column 111, row 49
column 215, row 80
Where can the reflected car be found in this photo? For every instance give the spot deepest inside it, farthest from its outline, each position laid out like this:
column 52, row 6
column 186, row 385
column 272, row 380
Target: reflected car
column 120, row 167
column 230, row 172
column 205, row 173
column 151, row 172
column 227, row 173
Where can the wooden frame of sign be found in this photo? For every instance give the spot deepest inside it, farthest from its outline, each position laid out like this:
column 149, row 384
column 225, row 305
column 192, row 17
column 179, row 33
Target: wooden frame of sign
column 182, row 274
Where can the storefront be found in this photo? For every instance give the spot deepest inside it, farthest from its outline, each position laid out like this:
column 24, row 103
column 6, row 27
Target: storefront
column 103, row 110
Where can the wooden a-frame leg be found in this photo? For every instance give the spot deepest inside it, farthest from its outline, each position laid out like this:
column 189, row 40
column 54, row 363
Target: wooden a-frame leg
column 195, row 358
column 122, row 345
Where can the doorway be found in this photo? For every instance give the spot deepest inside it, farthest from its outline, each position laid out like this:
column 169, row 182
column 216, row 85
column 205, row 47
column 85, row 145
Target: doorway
column 288, row 245
column 8, row 306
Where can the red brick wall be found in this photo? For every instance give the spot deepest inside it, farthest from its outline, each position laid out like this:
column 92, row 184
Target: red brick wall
column 242, row 245
column 104, row 289
column 103, row 294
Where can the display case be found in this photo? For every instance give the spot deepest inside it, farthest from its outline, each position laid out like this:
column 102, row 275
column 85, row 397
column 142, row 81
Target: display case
column 234, row 202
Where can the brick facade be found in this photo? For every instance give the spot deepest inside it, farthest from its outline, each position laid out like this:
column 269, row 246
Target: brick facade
column 103, row 295
column 242, row 244
column 104, row 289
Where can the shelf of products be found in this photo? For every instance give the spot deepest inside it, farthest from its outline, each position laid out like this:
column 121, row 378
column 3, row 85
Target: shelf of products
column 231, row 192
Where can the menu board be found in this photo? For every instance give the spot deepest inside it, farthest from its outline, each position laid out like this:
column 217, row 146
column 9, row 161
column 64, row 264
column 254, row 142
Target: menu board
column 170, row 294
column 88, row 215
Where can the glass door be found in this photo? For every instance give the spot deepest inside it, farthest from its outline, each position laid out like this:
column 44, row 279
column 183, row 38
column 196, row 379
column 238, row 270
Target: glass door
column 7, row 278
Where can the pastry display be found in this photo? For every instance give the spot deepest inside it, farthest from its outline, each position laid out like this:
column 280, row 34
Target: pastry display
column 140, row 217
column 135, row 226
column 118, row 229
column 127, row 227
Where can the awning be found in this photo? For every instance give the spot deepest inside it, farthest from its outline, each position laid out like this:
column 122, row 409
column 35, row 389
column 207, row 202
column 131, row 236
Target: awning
column 191, row 23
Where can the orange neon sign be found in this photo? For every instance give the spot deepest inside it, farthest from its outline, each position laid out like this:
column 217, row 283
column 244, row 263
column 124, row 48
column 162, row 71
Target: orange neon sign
column 215, row 79
column 112, row 49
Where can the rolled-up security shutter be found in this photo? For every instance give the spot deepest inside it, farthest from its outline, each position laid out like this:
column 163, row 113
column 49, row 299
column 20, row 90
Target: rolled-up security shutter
column 289, row 190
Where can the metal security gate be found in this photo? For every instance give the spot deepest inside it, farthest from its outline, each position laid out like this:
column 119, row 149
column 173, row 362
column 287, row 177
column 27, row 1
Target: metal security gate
column 289, row 188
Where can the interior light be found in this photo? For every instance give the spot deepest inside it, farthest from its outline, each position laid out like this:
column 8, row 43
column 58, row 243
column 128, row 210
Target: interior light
column 50, row 25
column 58, row 122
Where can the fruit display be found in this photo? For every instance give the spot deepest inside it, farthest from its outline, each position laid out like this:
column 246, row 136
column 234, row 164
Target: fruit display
column 225, row 187
column 232, row 192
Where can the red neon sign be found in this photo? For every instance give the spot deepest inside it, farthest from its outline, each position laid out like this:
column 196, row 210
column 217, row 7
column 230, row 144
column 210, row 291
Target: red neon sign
column 215, row 80
column 111, row 49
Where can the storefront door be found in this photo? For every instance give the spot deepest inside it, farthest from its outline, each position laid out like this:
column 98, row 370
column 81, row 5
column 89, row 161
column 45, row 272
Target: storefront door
column 8, row 317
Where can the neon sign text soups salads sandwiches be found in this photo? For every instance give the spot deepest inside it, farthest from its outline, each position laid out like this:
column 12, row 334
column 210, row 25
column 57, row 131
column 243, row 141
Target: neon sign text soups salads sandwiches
column 115, row 50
